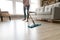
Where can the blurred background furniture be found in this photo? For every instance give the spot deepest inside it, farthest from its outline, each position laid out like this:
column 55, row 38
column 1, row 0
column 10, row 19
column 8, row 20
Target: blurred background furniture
column 4, row 14
column 49, row 12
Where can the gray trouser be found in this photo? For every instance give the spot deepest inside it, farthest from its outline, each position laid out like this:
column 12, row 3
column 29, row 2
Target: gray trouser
column 26, row 8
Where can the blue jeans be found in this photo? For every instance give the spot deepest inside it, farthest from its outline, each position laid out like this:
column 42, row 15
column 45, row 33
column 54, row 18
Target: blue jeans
column 26, row 8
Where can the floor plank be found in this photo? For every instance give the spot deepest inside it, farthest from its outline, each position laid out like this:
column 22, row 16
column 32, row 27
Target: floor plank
column 18, row 30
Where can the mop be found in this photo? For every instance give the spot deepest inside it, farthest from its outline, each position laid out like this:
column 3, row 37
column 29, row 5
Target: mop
column 34, row 24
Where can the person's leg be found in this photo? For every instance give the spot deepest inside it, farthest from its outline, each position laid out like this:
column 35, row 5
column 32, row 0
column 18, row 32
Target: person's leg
column 24, row 13
column 28, row 12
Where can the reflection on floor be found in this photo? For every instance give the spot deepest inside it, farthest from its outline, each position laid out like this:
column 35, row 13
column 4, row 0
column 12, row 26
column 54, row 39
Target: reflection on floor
column 18, row 30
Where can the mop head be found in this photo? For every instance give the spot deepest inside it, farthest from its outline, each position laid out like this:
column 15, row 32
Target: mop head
column 34, row 25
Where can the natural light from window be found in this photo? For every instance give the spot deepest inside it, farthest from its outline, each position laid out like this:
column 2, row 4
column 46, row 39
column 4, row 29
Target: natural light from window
column 8, row 6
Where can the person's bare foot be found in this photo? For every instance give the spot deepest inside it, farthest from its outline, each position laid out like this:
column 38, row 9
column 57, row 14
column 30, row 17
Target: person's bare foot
column 27, row 21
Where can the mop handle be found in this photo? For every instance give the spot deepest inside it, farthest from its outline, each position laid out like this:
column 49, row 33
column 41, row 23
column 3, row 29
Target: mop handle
column 32, row 19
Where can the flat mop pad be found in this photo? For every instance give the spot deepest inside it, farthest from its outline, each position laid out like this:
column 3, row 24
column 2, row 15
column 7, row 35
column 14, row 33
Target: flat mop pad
column 34, row 25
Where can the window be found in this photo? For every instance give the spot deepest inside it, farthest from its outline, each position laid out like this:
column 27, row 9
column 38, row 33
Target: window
column 34, row 5
column 19, row 6
column 6, row 6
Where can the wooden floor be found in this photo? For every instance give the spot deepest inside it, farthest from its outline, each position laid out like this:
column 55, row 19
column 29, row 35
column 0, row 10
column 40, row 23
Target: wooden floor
column 18, row 30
